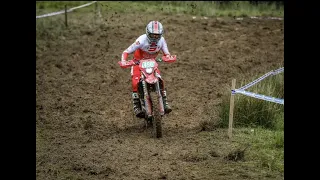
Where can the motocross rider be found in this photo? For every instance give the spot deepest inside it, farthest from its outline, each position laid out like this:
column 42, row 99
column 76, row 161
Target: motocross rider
column 146, row 46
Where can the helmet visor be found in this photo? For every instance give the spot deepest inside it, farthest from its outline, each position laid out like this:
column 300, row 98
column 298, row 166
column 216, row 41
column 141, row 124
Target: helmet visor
column 154, row 36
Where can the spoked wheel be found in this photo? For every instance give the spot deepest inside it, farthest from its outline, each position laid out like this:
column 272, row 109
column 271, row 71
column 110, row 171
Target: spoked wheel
column 156, row 120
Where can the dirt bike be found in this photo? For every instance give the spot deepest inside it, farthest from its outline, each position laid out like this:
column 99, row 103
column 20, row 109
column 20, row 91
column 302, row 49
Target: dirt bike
column 149, row 90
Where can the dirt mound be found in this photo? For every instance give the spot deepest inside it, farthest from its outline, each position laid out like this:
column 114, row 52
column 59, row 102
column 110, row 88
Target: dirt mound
column 84, row 118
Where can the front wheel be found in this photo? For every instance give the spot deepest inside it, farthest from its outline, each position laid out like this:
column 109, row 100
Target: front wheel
column 156, row 120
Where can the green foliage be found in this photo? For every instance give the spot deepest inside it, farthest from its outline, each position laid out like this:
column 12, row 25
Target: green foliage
column 49, row 28
column 58, row 4
column 252, row 112
column 267, row 147
column 202, row 8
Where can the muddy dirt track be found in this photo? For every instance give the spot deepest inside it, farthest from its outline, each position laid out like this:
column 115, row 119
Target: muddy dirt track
column 84, row 119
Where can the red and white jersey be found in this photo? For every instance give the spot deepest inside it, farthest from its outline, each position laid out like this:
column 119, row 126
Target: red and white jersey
column 143, row 49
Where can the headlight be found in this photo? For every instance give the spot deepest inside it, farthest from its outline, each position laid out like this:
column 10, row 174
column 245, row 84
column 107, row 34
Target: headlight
column 149, row 70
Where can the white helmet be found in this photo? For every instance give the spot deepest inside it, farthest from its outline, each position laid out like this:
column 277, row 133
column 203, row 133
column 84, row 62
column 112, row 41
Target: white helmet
column 154, row 31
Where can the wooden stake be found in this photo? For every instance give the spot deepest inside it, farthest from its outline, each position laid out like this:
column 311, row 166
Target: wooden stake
column 65, row 15
column 231, row 108
column 99, row 10
column 96, row 10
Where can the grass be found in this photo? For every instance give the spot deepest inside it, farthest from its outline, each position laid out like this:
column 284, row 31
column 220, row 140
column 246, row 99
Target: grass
column 201, row 8
column 50, row 27
column 57, row 5
column 257, row 122
column 266, row 148
column 262, row 148
column 252, row 112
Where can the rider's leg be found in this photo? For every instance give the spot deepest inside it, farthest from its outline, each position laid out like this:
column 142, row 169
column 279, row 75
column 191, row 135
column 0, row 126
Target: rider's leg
column 167, row 107
column 135, row 74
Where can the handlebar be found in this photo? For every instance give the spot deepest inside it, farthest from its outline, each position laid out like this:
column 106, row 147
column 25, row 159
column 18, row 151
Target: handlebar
column 133, row 62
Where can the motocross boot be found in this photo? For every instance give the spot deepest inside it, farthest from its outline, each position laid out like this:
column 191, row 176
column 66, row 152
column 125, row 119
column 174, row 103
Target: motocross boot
column 167, row 108
column 136, row 105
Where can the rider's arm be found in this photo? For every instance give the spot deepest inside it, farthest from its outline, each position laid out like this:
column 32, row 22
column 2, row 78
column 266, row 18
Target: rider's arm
column 166, row 53
column 164, row 48
column 133, row 47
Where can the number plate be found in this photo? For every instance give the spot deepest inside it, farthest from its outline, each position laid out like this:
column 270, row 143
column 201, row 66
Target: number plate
column 148, row 64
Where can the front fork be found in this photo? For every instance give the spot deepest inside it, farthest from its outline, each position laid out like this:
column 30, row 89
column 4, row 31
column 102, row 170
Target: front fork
column 161, row 106
column 146, row 98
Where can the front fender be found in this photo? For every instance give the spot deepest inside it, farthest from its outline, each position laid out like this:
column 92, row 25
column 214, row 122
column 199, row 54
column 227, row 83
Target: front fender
column 151, row 79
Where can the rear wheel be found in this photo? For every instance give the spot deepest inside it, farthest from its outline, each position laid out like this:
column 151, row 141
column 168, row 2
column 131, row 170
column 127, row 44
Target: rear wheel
column 157, row 126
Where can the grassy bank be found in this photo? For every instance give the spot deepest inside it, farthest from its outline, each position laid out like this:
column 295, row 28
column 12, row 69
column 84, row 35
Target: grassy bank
column 257, row 122
column 266, row 147
column 202, row 8
column 252, row 112
column 45, row 26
